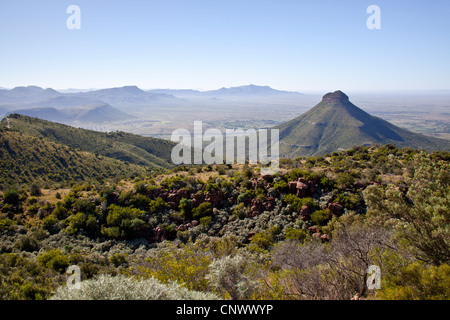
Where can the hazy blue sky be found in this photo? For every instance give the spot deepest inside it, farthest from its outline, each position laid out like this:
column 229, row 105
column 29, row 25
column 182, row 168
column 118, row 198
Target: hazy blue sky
column 291, row 45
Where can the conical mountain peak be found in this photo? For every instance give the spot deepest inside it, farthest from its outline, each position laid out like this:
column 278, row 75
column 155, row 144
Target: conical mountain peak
column 336, row 123
column 337, row 96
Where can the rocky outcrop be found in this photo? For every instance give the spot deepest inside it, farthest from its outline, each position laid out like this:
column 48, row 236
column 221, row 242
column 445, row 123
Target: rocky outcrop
column 335, row 97
column 302, row 187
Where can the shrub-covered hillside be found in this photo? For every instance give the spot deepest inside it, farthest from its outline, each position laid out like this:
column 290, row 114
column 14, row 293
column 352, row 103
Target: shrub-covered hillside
column 308, row 232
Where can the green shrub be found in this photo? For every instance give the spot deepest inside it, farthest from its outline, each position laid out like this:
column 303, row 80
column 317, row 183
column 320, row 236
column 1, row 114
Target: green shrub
column 60, row 212
column 76, row 222
column 203, row 210
column 205, row 221
column 345, row 180
column 349, row 201
column 295, row 234
column 124, row 222
column 49, row 223
column 157, row 205
column 35, row 190
column 6, row 223
column 188, row 266
column 27, row 243
column 321, row 217
column 119, row 259
column 32, row 291
column 297, row 203
column 260, row 240
column 281, row 186
column 242, row 198
column 327, row 184
column 11, row 197
column 54, row 259
column 417, row 282
column 186, row 208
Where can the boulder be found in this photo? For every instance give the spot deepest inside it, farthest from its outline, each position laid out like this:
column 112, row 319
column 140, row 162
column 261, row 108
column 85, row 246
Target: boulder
column 305, row 213
column 316, row 235
column 214, row 197
column 256, row 207
column 269, row 204
column 160, row 234
column 292, row 186
column 302, row 189
column 336, row 209
column 324, row 238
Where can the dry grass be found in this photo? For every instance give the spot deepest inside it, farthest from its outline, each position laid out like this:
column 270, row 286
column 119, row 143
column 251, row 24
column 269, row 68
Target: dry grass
column 49, row 195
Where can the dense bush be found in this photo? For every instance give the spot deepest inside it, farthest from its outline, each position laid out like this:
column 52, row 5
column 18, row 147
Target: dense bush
column 417, row 282
column 203, row 210
column 124, row 222
column 106, row 287
column 188, row 267
column 321, row 217
column 54, row 259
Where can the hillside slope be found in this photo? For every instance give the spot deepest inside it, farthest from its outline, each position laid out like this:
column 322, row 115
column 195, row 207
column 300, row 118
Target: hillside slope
column 25, row 159
column 123, row 146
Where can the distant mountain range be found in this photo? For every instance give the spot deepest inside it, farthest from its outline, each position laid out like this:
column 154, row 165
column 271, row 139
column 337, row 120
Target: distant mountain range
column 117, row 104
column 241, row 92
column 97, row 106
column 336, row 123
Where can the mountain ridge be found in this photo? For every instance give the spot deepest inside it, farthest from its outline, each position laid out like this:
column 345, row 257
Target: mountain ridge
column 127, row 147
column 245, row 90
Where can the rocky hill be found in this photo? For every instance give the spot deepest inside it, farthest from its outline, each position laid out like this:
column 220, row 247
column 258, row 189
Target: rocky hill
column 337, row 124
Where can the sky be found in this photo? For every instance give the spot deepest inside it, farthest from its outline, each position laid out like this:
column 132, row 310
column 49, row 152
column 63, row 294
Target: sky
column 304, row 46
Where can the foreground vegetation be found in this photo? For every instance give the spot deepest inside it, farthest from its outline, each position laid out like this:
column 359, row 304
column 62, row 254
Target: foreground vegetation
column 207, row 232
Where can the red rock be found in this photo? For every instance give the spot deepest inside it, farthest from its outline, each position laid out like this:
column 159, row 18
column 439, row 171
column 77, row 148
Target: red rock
column 214, row 197
column 336, row 208
column 302, row 189
column 292, row 186
column 269, row 204
column 267, row 178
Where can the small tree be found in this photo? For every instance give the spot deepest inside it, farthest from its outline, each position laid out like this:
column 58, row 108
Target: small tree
column 35, row 190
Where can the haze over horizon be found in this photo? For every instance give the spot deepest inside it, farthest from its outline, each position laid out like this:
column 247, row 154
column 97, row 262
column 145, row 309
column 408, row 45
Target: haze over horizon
column 202, row 45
